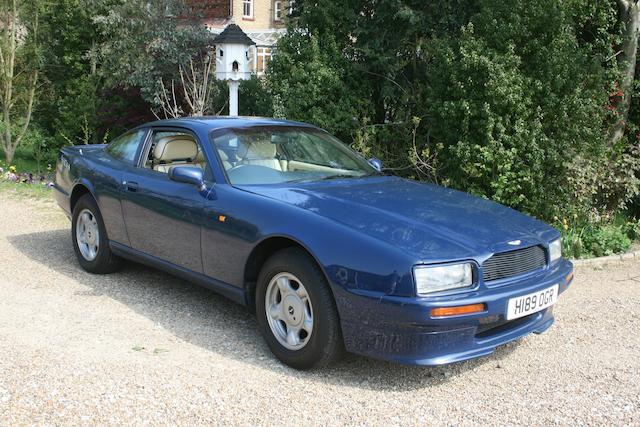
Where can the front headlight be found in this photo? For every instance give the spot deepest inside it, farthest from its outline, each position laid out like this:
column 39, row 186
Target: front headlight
column 555, row 250
column 431, row 279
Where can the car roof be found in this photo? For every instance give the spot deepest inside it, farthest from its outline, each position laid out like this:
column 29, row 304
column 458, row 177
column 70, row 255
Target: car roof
column 221, row 122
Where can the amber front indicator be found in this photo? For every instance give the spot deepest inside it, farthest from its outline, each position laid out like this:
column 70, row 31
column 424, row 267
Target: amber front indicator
column 457, row 311
column 569, row 278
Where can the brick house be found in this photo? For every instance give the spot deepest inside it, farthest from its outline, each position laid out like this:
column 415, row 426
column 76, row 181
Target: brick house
column 261, row 20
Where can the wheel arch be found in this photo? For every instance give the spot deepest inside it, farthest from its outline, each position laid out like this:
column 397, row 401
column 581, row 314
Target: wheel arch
column 79, row 190
column 261, row 253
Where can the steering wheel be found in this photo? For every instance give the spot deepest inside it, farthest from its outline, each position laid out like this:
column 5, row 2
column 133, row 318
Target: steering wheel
column 253, row 174
column 234, row 168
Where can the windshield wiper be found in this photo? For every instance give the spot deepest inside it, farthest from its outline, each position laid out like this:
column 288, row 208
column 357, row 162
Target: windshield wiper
column 338, row 176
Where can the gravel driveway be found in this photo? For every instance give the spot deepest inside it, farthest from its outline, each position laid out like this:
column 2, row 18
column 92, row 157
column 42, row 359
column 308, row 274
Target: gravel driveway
column 143, row 347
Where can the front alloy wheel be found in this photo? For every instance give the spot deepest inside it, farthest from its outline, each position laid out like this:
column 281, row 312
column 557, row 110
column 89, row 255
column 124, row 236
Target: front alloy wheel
column 290, row 313
column 297, row 314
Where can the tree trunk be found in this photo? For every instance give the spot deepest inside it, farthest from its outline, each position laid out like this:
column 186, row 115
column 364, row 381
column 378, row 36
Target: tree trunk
column 7, row 141
column 629, row 11
column 8, row 64
column 8, row 154
column 12, row 97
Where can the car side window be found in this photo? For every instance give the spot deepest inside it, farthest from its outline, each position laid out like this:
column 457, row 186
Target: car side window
column 126, row 146
column 173, row 148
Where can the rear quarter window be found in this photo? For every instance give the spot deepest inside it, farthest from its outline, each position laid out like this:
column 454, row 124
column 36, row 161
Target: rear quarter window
column 125, row 147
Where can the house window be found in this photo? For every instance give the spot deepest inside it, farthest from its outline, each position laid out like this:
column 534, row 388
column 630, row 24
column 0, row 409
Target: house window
column 277, row 10
column 247, row 8
column 263, row 58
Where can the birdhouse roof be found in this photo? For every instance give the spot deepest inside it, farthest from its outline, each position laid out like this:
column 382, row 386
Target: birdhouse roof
column 233, row 34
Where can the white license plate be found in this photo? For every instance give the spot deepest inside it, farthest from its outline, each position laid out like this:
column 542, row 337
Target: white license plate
column 531, row 303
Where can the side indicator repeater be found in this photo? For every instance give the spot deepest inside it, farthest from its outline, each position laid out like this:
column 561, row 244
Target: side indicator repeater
column 569, row 278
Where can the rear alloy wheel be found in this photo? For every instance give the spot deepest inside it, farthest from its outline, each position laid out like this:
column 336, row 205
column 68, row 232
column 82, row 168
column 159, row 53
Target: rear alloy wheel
column 87, row 235
column 90, row 240
column 297, row 315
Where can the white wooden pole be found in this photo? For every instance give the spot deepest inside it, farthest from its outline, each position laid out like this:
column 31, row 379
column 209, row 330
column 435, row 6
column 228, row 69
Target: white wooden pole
column 233, row 97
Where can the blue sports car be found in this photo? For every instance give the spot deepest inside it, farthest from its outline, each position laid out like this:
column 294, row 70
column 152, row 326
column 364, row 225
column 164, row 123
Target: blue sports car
column 332, row 254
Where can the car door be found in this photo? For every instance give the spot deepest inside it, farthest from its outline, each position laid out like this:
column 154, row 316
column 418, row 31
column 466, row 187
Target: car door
column 119, row 155
column 163, row 217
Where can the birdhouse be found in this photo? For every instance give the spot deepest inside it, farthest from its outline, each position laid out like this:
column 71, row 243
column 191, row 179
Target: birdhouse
column 232, row 54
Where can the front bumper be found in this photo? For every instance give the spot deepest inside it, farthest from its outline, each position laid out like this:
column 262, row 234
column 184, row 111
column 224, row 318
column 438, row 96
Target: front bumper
column 401, row 329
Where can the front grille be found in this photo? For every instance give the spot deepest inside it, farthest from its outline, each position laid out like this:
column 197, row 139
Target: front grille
column 513, row 263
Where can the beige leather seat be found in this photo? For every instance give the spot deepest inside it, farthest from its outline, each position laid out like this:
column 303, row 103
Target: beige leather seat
column 260, row 154
column 175, row 150
column 225, row 160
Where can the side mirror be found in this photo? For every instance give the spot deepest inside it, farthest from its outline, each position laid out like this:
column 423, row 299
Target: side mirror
column 376, row 163
column 187, row 174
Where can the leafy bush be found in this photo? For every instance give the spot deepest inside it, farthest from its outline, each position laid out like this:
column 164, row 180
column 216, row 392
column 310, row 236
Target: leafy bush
column 607, row 183
column 606, row 240
column 255, row 98
column 492, row 97
column 513, row 99
column 311, row 82
column 145, row 42
column 600, row 237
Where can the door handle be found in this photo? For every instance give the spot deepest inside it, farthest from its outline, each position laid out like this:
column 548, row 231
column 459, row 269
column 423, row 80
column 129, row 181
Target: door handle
column 130, row 186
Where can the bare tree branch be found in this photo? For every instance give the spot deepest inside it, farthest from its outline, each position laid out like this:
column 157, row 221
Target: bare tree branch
column 27, row 119
column 195, row 90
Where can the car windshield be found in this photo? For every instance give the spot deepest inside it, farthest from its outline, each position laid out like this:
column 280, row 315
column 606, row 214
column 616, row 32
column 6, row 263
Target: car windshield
column 277, row 154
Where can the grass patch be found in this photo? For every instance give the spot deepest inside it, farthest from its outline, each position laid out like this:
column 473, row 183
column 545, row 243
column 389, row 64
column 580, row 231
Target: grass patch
column 26, row 191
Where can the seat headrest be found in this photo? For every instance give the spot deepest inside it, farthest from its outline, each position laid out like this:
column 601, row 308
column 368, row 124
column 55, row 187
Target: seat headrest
column 257, row 150
column 199, row 157
column 223, row 155
column 175, row 147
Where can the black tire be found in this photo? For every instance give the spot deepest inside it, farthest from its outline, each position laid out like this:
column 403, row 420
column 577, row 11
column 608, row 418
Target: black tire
column 325, row 344
column 105, row 261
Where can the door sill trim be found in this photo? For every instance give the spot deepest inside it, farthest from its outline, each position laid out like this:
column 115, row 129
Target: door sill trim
column 229, row 291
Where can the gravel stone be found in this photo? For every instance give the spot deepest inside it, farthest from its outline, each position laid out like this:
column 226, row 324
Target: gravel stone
column 142, row 347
